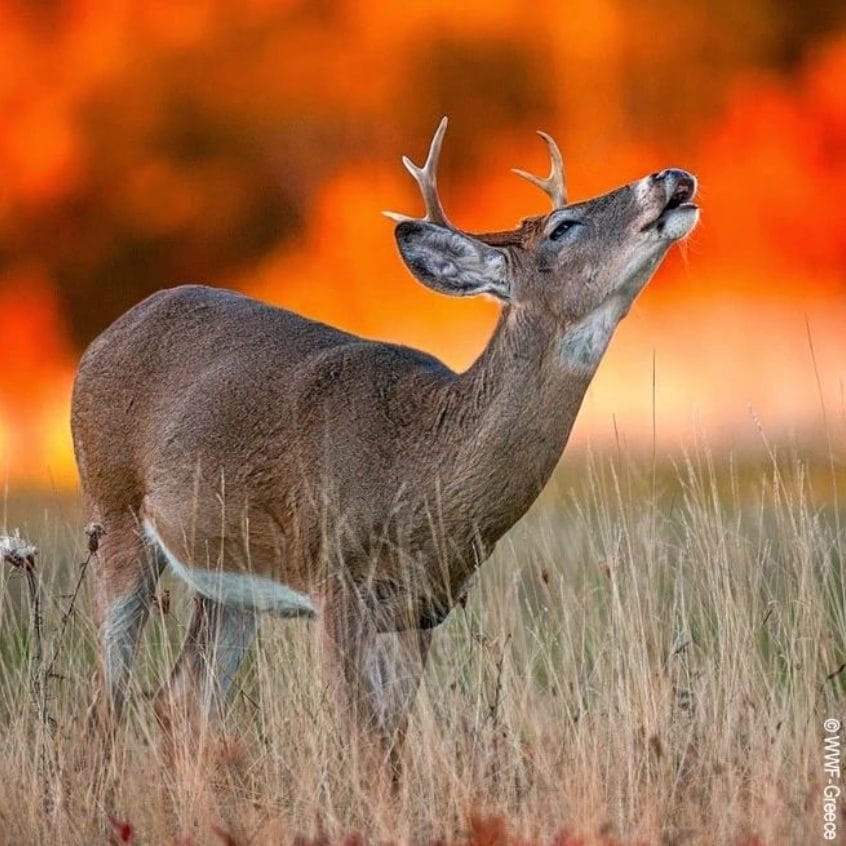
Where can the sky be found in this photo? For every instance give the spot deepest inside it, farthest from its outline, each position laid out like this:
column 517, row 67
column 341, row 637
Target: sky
column 253, row 145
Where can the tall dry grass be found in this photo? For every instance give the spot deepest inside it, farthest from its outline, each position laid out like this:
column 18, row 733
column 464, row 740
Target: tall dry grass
column 649, row 657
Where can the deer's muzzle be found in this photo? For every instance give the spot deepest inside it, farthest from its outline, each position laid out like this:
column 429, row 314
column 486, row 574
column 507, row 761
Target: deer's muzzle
column 672, row 191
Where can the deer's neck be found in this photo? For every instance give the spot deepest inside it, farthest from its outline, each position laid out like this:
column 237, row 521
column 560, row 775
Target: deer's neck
column 514, row 409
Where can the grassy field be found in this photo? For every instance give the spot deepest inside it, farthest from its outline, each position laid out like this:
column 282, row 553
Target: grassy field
column 649, row 657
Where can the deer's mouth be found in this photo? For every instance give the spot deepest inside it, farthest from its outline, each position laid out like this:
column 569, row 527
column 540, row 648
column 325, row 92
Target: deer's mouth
column 678, row 214
column 681, row 196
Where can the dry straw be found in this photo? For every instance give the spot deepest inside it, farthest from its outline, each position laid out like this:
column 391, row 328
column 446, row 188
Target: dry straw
column 648, row 658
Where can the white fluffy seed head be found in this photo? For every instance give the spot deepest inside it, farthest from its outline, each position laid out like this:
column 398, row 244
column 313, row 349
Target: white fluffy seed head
column 15, row 550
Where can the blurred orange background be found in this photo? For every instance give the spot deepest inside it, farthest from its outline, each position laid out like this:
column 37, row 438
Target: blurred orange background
column 253, row 144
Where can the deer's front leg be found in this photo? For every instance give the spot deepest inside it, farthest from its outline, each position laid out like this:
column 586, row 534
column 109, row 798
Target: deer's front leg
column 376, row 678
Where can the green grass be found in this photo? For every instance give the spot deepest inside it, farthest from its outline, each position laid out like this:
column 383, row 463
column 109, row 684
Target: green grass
column 646, row 658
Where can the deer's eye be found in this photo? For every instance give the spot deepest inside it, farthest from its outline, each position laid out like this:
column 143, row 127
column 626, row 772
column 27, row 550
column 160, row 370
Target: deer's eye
column 562, row 228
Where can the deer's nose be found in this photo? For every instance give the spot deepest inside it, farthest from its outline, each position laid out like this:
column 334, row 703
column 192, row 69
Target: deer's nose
column 675, row 176
column 678, row 184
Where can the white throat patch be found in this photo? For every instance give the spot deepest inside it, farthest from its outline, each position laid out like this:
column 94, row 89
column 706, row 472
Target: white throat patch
column 582, row 346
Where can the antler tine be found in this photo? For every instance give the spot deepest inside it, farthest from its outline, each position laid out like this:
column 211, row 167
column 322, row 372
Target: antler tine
column 427, row 178
column 397, row 217
column 554, row 185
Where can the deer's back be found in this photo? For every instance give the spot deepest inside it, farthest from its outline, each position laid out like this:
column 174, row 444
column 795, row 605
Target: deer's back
column 148, row 373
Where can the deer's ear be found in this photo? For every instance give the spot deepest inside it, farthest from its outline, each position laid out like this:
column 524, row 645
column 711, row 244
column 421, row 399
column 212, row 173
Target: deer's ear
column 452, row 262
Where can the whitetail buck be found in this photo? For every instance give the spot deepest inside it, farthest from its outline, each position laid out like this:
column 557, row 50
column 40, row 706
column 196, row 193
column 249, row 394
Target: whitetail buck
column 280, row 465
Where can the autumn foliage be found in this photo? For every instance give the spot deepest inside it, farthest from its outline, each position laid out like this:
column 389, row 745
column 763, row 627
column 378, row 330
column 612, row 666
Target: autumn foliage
column 253, row 144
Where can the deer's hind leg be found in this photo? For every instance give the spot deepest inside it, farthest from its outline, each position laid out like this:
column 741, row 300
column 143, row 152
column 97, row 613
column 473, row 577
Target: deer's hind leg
column 126, row 575
column 218, row 638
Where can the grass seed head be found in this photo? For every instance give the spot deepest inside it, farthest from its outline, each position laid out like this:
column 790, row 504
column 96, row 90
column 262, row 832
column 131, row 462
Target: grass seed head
column 16, row 551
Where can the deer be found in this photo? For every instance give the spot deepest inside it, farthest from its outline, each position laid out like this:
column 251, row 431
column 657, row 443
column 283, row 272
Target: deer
column 280, row 466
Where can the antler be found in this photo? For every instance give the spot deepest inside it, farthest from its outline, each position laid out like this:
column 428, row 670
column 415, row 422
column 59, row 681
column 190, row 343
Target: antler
column 427, row 179
column 554, row 185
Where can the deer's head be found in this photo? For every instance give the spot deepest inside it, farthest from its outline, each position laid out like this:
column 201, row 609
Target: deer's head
column 580, row 259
